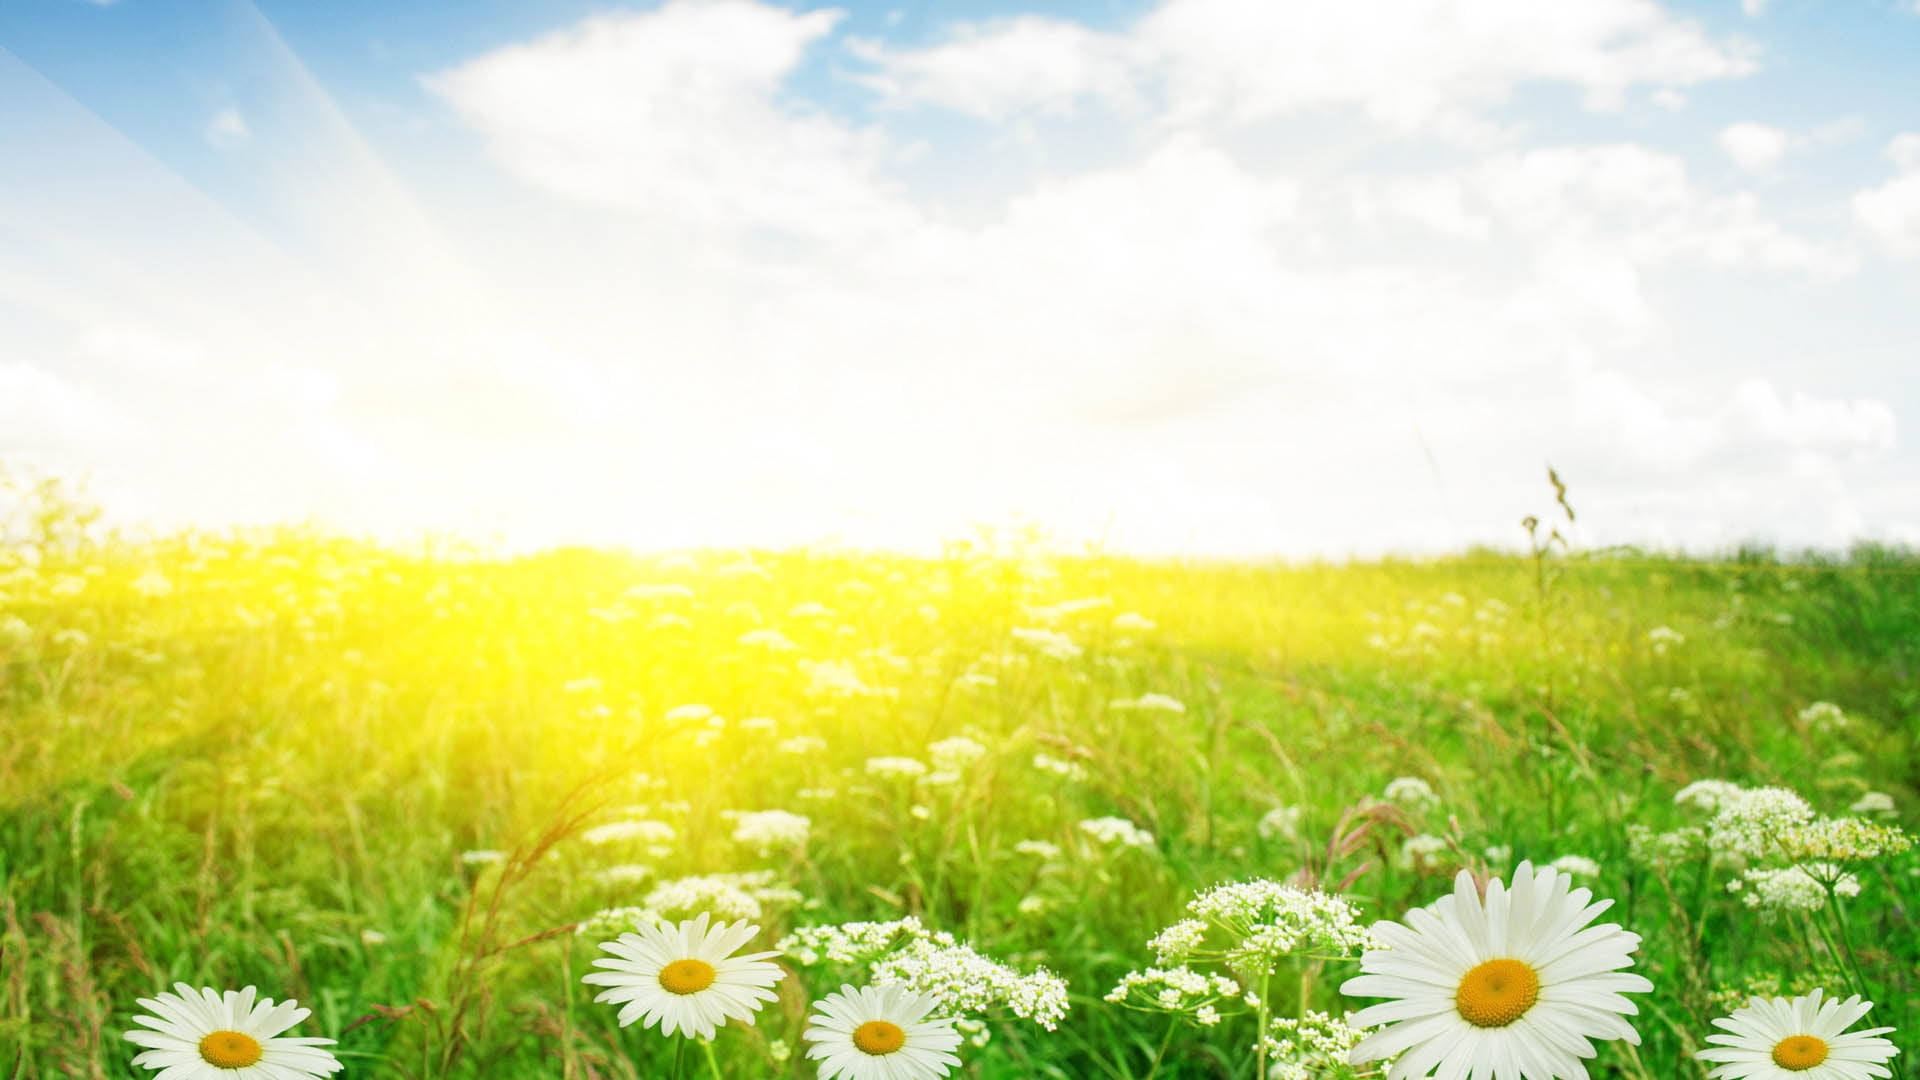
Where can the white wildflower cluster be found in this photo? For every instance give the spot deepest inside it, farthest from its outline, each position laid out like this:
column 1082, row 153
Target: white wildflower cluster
column 624, row 874
column 726, row 897
column 1424, row 852
column 1663, row 638
column 651, row 833
column 1116, row 832
column 768, row 639
column 1176, row 990
column 610, row 923
column 1748, row 823
column 1873, row 802
column 800, row 745
column 1313, row 1047
column 1150, row 703
column 1251, row 925
column 1576, row 866
column 1823, row 716
column 837, row 679
column 1793, row 888
column 935, row 963
column 1673, row 848
column 1049, row 643
column 1412, row 792
column 1281, row 822
column 955, row 754
column 1040, row 848
column 768, row 831
column 1848, row 839
column 896, row 768
column 1072, row 770
column 1132, row 621
column 1707, row 795
column 482, row 857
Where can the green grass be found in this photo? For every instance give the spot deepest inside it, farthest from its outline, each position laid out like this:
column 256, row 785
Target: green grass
column 267, row 775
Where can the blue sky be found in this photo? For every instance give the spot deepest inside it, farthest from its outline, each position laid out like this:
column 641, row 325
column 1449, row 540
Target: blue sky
column 1182, row 275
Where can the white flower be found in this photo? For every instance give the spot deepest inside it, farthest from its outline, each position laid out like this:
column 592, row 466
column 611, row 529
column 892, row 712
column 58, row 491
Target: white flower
column 483, row 857
column 1873, row 802
column 1793, row 888
column 1707, row 795
column 650, row 832
column 1423, row 852
column 1411, row 791
column 1117, row 832
column 802, row 744
column 1072, row 770
column 1750, row 822
column 1576, row 866
column 1823, row 716
column 691, row 713
column 768, row 831
column 203, row 1035
column 1132, row 620
column 736, row 896
column 1151, row 703
column 896, row 768
column 1803, row 1037
column 1515, row 985
column 880, row 1033
column 686, row 976
column 955, row 754
column 1049, row 643
column 1281, row 821
column 1041, row 848
column 771, row 640
column 1664, row 637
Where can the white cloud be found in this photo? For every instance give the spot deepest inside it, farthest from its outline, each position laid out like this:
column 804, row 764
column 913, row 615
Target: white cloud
column 1619, row 197
column 227, row 128
column 1754, row 147
column 1891, row 212
column 40, row 412
column 1753, row 8
column 676, row 114
column 1420, row 65
column 1006, row 68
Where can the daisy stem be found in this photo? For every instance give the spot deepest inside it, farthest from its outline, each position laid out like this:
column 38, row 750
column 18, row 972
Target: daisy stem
column 712, row 1063
column 1260, row 1036
column 680, row 1058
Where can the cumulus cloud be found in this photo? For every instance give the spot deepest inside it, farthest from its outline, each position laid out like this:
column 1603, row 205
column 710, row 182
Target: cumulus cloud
column 1890, row 213
column 1425, row 65
column 1754, row 147
column 679, row 114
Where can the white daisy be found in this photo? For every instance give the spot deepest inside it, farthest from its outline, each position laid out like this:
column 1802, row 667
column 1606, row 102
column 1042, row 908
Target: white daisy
column 204, row 1035
column 685, row 976
column 1516, row 986
column 880, row 1033
column 1805, row 1036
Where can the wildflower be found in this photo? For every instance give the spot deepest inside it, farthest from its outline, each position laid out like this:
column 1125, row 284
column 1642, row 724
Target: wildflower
column 768, row 831
column 1664, row 637
column 1309, row 1048
column 1132, row 621
column 691, row 713
column 1793, row 888
column 1842, row 839
column 810, row 609
column 1412, row 792
column 1873, row 802
column 153, row 585
column 880, row 1033
column 372, row 938
column 1072, row 770
column 650, row 832
column 1801, row 1035
column 483, row 857
column 1151, row 703
column 1518, row 977
column 1747, row 823
column 835, row 679
column 1280, row 822
column 1173, row 989
column 955, row 754
column 1117, row 832
column 1823, row 716
column 771, row 640
column 686, row 976
column 736, row 896
column 1707, row 795
column 625, row 874
column 896, row 768
column 203, row 1034
column 1049, row 643
column 1251, row 925
column 802, row 744
column 1576, row 866
column 934, row 963
column 1040, row 848
column 1423, row 852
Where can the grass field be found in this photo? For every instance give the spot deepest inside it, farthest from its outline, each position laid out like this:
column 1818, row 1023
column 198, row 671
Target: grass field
column 381, row 782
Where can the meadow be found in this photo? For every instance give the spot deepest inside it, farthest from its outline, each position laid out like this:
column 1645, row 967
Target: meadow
column 414, row 789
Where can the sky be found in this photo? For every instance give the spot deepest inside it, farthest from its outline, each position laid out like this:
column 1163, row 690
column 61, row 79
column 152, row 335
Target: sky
column 1188, row 277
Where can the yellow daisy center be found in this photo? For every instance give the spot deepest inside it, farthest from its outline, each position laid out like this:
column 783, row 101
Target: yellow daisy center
column 229, row 1049
column 1497, row 993
column 1798, row 1052
column 687, row 976
column 878, row 1037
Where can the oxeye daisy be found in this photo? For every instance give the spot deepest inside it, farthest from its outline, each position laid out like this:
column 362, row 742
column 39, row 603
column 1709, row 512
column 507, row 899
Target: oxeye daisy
column 685, row 976
column 1803, row 1036
column 204, row 1034
column 880, row 1033
column 1517, row 985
